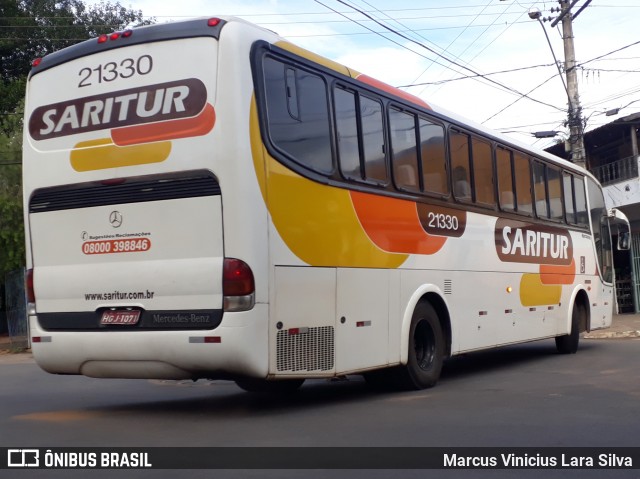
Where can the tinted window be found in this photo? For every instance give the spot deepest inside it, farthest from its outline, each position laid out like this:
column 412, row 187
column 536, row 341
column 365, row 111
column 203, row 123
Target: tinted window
column 554, row 189
column 483, row 172
column 568, row 198
column 434, row 167
column 505, row 179
column 459, row 150
column 522, row 170
column 404, row 149
column 581, row 201
column 540, row 190
column 298, row 114
column 347, row 133
column 375, row 165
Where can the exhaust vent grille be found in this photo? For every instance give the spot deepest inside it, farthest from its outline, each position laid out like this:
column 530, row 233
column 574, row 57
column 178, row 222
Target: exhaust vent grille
column 311, row 350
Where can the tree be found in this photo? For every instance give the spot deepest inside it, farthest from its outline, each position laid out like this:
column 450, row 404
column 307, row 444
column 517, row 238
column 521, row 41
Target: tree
column 30, row 29
column 11, row 218
column 33, row 28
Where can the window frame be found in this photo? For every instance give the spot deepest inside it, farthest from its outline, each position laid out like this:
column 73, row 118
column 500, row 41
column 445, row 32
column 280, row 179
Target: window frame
column 358, row 94
column 289, row 64
column 421, row 116
column 418, row 164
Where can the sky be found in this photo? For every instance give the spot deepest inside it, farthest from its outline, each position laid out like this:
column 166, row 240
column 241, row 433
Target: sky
column 473, row 57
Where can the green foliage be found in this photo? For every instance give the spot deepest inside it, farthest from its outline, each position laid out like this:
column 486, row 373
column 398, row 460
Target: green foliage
column 11, row 216
column 31, row 29
column 11, row 234
column 34, row 28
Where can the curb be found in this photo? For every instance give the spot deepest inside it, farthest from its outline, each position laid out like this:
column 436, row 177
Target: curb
column 612, row 334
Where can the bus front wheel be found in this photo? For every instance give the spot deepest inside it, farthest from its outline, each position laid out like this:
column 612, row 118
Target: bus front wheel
column 426, row 349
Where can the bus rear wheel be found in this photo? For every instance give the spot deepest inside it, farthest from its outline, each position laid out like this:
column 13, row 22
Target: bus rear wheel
column 282, row 386
column 568, row 344
column 426, row 349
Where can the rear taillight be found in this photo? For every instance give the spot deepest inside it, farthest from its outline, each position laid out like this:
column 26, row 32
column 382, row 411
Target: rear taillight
column 238, row 286
column 104, row 38
column 31, row 294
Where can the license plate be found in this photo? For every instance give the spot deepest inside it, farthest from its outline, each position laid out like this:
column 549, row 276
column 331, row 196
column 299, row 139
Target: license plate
column 120, row 316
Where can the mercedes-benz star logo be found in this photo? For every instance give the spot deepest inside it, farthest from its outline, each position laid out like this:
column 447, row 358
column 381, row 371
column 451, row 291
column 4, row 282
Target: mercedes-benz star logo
column 115, row 218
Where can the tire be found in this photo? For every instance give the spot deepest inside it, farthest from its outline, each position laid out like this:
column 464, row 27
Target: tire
column 282, row 386
column 426, row 350
column 568, row 344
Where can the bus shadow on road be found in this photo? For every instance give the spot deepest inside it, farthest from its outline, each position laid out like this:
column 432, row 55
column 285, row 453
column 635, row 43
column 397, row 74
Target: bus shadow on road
column 225, row 399
column 513, row 357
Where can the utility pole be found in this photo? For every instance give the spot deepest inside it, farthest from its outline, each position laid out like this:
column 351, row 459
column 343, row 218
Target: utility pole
column 574, row 120
column 576, row 127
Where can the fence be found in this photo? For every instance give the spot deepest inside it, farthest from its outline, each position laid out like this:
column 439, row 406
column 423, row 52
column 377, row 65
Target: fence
column 617, row 171
column 16, row 309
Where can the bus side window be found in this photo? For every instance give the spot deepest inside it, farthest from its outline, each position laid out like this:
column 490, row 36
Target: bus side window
column 554, row 190
column 375, row 162
column 347, row 133
column 505, row 179
column 432, row 156
column 298, row 115
column 568, row 198
column 540, row 190
column 404, row 150
column 522, row 170
column 482, row 160
column 459, row 148
column 581, row 201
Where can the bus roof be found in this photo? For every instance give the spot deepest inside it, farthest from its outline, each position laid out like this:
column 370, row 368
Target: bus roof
column 212, row 26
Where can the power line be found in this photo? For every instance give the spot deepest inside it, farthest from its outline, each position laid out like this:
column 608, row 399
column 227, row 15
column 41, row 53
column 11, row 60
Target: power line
column 610, row 53
column 518, row 99
column 492, row 41
column 415, row 30
column 451, row 43
column 474, row 76
column 505, row 87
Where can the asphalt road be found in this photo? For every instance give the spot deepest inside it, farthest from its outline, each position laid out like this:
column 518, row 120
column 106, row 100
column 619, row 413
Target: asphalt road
column 524, row 395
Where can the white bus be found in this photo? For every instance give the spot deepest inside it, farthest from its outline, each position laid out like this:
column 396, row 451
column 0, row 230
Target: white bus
column 203, row 199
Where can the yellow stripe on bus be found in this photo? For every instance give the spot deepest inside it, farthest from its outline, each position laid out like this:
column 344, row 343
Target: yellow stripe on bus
column 318, row 59
column 534, row 293
column 317, row 222
column 102, row 154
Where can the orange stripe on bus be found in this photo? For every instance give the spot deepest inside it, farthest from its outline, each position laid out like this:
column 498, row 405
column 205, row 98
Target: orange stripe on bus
column 166, row 130
column 393, row 224
column 558, row 274
column 393, row 90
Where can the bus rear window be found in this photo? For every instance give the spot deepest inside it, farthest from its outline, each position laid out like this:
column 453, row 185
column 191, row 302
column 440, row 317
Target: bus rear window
column 298, row 114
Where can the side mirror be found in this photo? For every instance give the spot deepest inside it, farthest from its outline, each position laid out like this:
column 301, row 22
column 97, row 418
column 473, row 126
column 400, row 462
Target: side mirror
column 619, row 219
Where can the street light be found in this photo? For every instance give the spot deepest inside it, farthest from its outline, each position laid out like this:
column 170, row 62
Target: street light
column 535, row 14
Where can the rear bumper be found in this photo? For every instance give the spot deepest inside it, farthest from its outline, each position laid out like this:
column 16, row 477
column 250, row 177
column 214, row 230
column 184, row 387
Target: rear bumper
column 238, row 347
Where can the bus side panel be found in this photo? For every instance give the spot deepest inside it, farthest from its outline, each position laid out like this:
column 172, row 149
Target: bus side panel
column 363, row 311
column 302, row 322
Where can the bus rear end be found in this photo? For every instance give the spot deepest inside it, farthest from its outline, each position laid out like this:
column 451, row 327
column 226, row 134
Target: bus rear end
column 124, row 169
